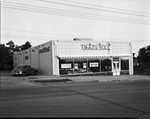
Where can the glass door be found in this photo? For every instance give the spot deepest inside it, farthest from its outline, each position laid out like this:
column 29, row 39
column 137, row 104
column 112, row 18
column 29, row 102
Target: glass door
column 116, row 66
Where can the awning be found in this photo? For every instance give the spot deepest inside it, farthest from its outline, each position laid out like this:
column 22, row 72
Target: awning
column 93, row 56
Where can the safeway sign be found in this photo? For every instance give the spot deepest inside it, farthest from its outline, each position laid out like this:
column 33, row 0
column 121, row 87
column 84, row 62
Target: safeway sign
column 92, row 46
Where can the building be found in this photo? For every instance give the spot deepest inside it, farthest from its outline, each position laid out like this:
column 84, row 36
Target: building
column 78, row 57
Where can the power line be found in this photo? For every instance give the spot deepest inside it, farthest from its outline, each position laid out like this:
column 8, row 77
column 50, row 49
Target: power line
column 69, row 36
column 36, row 32
column 73, row 36
column 98, row 9
column 31, row 37
column 70, row 13
column 85, row 17
column 60, row 10
column 100, row 6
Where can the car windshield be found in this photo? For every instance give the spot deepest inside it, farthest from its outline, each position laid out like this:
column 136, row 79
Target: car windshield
column 20, row 67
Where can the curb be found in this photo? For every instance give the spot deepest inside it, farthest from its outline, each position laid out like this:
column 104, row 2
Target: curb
column 87, row 78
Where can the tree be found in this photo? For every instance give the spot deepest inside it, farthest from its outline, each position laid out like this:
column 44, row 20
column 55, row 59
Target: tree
column 144, row 55
column 13, row 47
column 6, row 56
column 6, row 53
column 11, row 44
column 26, row 46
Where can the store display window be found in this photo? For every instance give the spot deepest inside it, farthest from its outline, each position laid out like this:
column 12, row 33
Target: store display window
column 106, row 65
column 65, row 66
column 124, row 64
column 94, row 65
column 80, row 65
column 84, row 65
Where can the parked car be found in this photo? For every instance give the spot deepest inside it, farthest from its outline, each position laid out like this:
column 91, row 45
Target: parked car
column 24, row 70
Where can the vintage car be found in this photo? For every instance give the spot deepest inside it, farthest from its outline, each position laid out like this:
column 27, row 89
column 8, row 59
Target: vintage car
column 24, row 70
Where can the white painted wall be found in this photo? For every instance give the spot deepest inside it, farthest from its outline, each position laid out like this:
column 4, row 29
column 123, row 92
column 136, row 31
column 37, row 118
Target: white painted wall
column 35, row 58
column 21, row 58
column 74, row 48
column 44, row 57
column 27, row 57
column 46, row 66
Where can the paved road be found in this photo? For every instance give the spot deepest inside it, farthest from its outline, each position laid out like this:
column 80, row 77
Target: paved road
column 88, row 99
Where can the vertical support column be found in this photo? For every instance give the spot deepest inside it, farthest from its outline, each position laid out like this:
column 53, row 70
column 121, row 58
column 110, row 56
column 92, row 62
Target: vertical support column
column 52, row 57
column 131, row 61
column 131, row 64
column 55, row 59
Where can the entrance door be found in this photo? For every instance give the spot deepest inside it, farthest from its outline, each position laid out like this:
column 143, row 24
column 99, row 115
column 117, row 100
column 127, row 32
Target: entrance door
column 116, row 69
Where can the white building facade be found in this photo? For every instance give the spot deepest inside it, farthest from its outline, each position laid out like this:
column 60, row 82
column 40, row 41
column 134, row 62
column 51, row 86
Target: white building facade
column 78, row 57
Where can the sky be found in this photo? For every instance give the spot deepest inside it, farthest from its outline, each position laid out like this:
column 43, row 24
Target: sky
column 39, row 21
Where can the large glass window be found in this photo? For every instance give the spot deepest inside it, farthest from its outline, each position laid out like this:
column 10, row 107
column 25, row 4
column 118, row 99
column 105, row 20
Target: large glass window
column 106, row 65
column 80, row 65
column 84, row 65
column 93, row 65
column 124, row 64
column 65, row 66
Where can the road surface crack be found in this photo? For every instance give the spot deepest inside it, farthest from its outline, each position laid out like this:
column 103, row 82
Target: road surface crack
column 105, row 100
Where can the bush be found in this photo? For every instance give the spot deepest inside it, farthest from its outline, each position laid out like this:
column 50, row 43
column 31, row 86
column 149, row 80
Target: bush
column 142, row 68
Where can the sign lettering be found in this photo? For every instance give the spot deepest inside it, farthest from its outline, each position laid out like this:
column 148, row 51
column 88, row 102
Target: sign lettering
column 96, row 46
column 65, row 66
column 94, row 64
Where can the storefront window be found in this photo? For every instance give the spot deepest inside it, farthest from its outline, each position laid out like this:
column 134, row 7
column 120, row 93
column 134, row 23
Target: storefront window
column 124, row 64
column 93, row 65
column 106, row 65
column 80, row 65
column 66, row 66
column 84, row 65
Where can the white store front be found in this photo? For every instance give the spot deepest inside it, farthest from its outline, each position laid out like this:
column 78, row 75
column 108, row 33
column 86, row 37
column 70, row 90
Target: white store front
column 78, row 57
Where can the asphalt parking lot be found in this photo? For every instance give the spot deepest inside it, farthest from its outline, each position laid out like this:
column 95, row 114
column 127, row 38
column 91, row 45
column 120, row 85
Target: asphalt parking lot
column 81, row 96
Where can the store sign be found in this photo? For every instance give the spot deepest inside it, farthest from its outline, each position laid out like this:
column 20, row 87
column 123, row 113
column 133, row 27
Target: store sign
column 93, row 46
column 84, row 65
column 44, row 49
column 116, row 59
column 63, row 66
column 94, row 64
column 75, row 66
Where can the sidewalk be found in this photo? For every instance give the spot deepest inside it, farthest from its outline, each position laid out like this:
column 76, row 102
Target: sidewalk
column 31, row 81
column 5, row 75
column 90, row 78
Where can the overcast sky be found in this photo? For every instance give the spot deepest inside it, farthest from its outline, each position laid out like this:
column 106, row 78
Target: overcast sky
column 39, row 21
